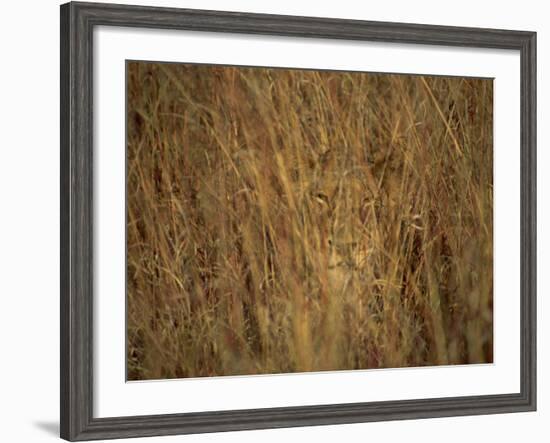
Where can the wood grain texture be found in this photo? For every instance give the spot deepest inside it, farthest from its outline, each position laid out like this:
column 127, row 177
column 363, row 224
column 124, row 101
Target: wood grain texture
column 77, row 22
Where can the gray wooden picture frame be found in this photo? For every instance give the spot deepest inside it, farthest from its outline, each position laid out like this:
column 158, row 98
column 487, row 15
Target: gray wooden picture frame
column 77, row 23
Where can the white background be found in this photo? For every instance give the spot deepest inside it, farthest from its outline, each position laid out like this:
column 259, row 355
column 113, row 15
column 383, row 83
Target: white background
column 29, row 222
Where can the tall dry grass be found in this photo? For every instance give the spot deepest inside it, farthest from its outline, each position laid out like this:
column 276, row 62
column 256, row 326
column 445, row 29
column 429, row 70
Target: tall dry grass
column 288, row 220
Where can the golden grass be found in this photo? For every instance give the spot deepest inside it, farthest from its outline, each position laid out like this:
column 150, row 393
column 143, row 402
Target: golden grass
column 287, row 220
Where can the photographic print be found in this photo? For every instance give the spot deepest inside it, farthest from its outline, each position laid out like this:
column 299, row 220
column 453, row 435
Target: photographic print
column 289, row 220
column 274, row 221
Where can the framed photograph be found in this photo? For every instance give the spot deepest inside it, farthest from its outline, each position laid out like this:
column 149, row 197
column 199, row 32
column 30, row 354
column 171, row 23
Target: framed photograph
column 272, row 221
